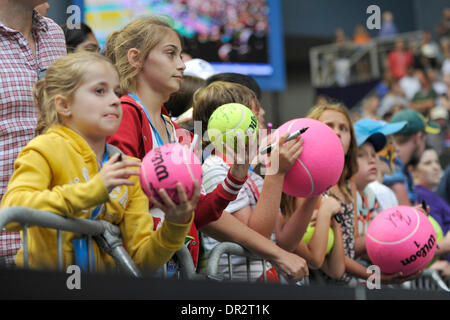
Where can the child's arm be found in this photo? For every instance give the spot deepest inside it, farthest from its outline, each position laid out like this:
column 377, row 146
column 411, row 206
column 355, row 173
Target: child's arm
column 222, row 187
column 211, row 206
column 334, row 264
column 290, row 232
column 360, row 245
column 357, row 270
column 31, row 186
column 360, row 240
column 150, row 249
column 229, row 228
column 281, row 159
column 315, row 250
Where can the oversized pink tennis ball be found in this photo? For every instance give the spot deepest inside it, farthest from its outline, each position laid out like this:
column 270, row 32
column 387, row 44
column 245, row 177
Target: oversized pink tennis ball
column 321, row 162
column 401, row 239
column 163, row 167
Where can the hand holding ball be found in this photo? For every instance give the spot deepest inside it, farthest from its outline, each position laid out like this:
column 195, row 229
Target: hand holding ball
column 228, row 120
column 163, row 167
column 401, row 239
column 321, row 162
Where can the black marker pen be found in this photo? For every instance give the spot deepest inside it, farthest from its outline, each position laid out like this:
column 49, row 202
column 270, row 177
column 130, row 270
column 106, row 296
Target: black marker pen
column 291, row 137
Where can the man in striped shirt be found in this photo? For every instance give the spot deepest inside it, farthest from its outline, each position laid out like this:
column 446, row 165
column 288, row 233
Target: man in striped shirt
column 29, row 44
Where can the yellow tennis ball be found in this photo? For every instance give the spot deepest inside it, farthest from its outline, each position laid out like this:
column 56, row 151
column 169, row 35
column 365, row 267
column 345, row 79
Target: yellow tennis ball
column 229, row 119
column 310, row 231
column 439, row 234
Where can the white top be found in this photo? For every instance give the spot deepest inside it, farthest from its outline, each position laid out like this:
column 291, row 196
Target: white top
column 410, row 85
column 385, row 196
column 215, row 169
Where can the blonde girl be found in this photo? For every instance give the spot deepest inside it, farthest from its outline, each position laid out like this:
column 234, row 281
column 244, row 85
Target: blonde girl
column 337, row 117
column 68, row 169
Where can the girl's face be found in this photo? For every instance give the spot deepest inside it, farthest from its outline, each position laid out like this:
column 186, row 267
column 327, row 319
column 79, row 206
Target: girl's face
column 338, row 122
column 367, row 165
column 163, row 68
column 428, row 171
column 95, row 111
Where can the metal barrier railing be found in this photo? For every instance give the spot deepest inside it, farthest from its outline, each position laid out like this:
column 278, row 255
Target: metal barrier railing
column 108, row 238
column 229, row 248
column 104, row 233
column 336, row 63
column 429, row 280
column 186, row 266
column 233, row 249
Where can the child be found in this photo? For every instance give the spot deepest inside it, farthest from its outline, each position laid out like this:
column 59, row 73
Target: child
column 147, row 53
column 371, row 137
column 257, row 204
column 315, row 250
column 181, row 101
column 337, row 117
column 68, row 169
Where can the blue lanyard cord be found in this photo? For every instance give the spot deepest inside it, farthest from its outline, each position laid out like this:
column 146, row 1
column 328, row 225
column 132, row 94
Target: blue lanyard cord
column 157, row 136
column 80, row 246
column 98, row 208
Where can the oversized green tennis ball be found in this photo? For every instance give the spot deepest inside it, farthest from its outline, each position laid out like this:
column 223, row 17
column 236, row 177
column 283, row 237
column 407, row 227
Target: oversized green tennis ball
column 310, row 231
column 439, row 234
column 229, row 119
column 437, row 228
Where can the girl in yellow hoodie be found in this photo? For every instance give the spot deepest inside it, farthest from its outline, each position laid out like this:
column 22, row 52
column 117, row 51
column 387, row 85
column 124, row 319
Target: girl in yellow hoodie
column 69, row 169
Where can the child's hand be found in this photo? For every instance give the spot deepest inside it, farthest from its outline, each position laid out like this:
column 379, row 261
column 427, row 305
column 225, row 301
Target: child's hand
column 178, row 213
column 283, row 156
column 241, row 158
column 292, row 265
column 117, row 173
column 330, row 206
column 398, row 278
column 423, row 208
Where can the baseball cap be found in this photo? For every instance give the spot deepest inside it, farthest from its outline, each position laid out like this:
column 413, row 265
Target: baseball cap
column 416, row 122
column 375, row 131
column 198, row 68
column 439, row 113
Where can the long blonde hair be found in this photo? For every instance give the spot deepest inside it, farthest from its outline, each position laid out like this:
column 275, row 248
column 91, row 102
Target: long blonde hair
column 351, row 162
column 143, row 34
column 62, row 78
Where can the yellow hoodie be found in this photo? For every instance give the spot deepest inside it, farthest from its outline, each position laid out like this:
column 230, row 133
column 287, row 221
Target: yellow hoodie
column 57, row 172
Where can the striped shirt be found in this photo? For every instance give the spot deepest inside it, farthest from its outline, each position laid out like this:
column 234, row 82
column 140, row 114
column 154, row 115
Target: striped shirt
column 19, row 70
column 215, row 171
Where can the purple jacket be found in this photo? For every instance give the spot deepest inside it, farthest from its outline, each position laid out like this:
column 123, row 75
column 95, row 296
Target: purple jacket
column 439, row 208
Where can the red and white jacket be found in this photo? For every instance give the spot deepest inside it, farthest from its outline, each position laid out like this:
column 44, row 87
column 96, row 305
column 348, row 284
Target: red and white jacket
column 134, row 138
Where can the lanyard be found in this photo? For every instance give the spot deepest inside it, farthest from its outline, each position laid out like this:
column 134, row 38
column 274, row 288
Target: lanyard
column 155, row 132
column 80, row 246
column 98, row 208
